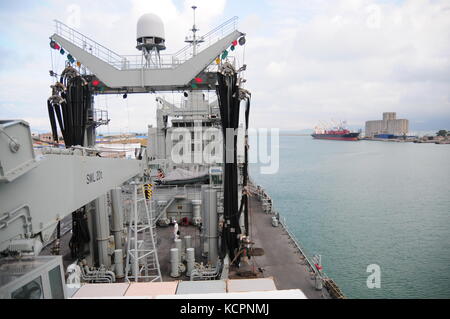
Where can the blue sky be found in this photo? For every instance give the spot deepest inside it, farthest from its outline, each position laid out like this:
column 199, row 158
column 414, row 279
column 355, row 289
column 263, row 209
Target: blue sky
column 308, row 61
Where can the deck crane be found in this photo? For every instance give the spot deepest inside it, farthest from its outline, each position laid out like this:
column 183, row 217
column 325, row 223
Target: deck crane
column 37, row 193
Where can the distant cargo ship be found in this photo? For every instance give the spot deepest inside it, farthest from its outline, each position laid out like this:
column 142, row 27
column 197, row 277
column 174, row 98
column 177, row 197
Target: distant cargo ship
column 339, row 133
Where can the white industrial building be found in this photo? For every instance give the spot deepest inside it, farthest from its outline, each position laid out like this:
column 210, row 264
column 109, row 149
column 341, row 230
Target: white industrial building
column 388, row 125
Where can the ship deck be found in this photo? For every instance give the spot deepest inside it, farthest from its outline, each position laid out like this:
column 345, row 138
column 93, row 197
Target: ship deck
column 166, row 242
column 281, row 259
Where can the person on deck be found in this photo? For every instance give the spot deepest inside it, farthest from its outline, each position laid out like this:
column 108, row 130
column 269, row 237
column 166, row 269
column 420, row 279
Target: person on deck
column 160, row 174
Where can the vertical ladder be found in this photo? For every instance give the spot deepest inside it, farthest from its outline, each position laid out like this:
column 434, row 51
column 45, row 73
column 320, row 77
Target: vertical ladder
column 142, row 262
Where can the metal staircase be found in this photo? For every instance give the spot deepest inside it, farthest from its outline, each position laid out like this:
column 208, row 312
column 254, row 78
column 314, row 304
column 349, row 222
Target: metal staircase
column 142, row 262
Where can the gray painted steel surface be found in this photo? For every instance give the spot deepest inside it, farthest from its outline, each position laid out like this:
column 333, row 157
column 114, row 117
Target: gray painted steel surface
column 17, row 154
column 56, row 187
column 196, row 287
column 153, row 79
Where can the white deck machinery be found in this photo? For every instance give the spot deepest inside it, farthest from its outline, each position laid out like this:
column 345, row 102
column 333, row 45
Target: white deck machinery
column 38, row 192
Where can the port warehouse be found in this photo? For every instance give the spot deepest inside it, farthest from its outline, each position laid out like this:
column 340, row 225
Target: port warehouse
column 388, row 127
column 392, row 136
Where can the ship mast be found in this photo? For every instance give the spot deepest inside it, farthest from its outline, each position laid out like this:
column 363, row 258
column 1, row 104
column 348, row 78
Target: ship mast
column 193, row 40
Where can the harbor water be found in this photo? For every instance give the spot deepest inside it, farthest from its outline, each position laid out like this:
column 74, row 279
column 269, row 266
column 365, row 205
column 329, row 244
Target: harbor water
column 363, row 203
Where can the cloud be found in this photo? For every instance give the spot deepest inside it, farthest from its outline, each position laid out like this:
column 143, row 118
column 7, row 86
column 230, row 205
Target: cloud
column 24, row 76
column 351, row 60
column 306, row 60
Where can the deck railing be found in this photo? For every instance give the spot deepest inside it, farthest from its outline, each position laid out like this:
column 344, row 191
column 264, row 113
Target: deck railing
column 296, row 242
column 86, row 43
column 126, row 62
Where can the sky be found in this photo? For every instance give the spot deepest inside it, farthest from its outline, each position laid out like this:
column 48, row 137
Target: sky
column 307, row 60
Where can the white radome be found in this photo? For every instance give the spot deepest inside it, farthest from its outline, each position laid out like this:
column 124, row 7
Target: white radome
column 150, row 26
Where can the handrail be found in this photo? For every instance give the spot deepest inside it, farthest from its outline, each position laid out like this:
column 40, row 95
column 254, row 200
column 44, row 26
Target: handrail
column 72, row 34
column 226, row 23
column 124, row 62
column 297, row 244
column 221, row 27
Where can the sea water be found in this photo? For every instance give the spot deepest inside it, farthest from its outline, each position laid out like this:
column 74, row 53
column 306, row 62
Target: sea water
column 368, row 203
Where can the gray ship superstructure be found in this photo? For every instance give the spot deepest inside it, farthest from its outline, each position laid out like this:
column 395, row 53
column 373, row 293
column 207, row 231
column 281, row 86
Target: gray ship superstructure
column 74, row 224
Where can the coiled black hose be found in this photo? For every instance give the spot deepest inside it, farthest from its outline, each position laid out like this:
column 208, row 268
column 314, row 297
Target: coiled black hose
column 71, row 110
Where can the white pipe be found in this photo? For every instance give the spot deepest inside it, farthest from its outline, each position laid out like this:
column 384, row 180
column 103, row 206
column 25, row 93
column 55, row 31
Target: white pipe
column 102, row 230
column 187, row 242
column 179, row 246
column 97, row 275
column 174, row 270
column 190, row 258
column 118, row 261
column 318, row 282
column 196, row 215
column 117, row 216
column 209, row 200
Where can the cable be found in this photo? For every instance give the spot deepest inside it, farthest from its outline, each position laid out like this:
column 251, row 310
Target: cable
column 80, row 233
column 128, row 114
column 51, row 59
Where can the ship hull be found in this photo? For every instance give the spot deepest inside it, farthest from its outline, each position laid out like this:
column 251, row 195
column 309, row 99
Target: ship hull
column 336, row 137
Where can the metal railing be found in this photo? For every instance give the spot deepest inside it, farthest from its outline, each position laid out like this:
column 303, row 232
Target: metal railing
column 208, row 39
column 137, row 61
column 100, row 117
column 296, row 242
column 87, row 43
column 263, row 196
column 127, row 62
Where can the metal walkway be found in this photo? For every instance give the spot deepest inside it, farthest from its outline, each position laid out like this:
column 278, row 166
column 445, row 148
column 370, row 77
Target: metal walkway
column 282, row 259
column 126, row 62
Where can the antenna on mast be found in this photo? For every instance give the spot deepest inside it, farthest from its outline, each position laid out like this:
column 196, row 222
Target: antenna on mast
column 194, row 40
column 150, row 37
column 193, row 27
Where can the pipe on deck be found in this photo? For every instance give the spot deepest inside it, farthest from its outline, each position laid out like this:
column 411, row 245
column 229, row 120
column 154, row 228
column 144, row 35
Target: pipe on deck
column 117, row 216
column 102, row 230
column 209, row 200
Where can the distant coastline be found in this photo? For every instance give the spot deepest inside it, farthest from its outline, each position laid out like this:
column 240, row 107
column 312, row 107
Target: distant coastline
column 294, row 134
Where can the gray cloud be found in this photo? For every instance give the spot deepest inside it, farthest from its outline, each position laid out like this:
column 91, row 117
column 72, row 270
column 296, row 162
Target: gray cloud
column 307, row 60
column 340, row 62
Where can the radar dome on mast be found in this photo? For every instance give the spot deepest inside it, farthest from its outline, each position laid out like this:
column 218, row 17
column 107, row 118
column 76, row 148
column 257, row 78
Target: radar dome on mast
column 150, row 33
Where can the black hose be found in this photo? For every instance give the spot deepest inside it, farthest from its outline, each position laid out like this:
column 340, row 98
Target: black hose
column 51, row 115
column 245, row 168
column 80, row 234
column 229, row 104
column 72, row 114
column 57, row 109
